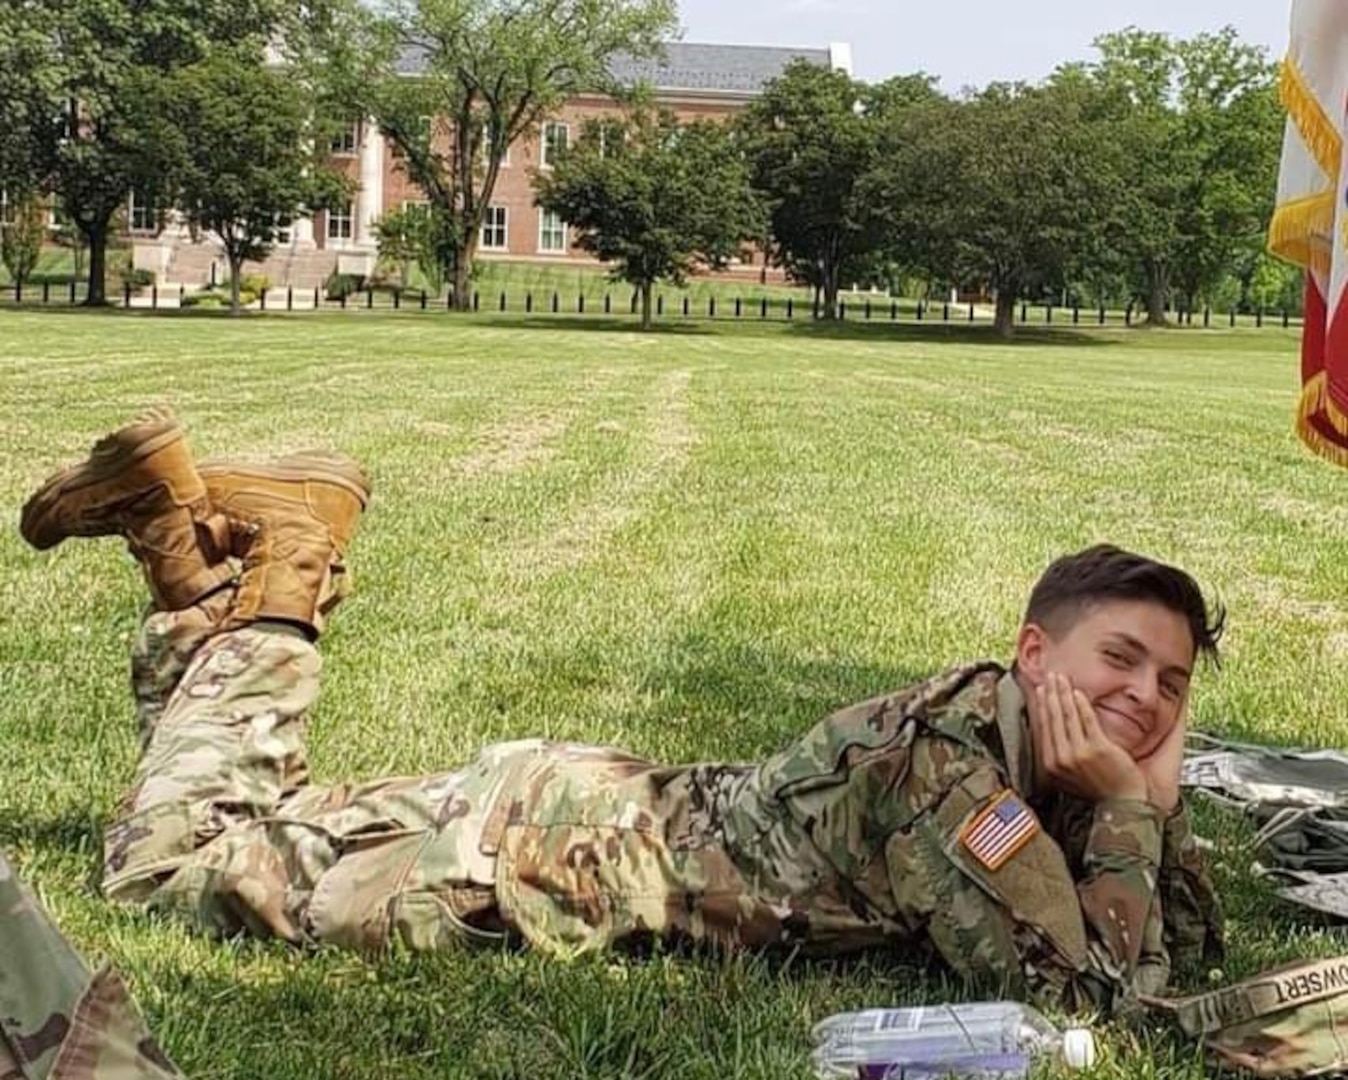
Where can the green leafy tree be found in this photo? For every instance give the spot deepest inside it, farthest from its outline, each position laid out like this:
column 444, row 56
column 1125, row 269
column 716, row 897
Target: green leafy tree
column 84, row 99
column 997, row 190
column 811, row 143
column 21, row 237
column 235, row 138
column 655, row 198
column 418, row 233
column 483, row 74
column 29, row 83
column 1198, row 129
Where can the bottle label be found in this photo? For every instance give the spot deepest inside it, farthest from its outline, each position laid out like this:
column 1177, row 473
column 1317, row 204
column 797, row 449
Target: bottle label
column 901, row 1019
column 983, row 1066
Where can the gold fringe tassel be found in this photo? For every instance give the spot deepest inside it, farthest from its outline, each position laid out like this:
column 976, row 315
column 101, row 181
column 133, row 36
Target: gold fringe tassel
column 1316, row 130
column 1299, row 231
column 1315, row 402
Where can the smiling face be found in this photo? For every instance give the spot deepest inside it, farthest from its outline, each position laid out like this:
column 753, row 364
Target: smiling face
column 1132, row 658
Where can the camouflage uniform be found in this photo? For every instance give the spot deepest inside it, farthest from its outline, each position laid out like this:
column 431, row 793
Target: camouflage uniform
column 57, row 1020
column 847, row 839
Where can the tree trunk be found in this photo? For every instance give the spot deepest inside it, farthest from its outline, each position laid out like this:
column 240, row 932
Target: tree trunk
column 831, row 272
column 235, row 270
column 462, row 270
column 97, row 235
column 644, row 288
column 1158, row 285
column 1005, row 322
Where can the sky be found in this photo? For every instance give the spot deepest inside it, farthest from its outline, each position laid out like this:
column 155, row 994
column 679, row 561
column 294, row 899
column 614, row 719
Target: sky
column 969, row 42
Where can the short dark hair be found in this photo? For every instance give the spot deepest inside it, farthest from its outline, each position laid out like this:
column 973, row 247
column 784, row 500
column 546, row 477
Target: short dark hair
column 1075, row 583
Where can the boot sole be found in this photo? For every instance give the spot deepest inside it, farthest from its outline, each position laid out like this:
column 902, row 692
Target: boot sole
column 299, row 468
column 93, row 470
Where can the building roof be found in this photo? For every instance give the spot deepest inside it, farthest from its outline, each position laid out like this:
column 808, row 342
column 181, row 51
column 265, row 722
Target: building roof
column 728, row 69
column 742, row 69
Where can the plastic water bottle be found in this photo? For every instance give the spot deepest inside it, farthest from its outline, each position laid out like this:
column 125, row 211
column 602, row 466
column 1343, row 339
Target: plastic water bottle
column 977, row 1040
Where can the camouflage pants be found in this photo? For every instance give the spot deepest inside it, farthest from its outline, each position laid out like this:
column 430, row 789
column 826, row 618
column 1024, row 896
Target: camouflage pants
column 59, row 1021
column 221, row 825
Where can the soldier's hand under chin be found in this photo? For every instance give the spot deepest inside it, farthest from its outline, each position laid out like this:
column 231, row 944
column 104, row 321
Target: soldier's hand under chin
column 1073, row 752
column 1161, row 768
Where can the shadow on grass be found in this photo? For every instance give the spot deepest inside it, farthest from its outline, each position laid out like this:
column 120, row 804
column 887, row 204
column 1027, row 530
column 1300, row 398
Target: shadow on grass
column 849, row 330
column 770, row 698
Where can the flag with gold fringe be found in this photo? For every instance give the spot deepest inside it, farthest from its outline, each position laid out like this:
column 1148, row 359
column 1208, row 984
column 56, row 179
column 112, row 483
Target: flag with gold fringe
column 1310, row 223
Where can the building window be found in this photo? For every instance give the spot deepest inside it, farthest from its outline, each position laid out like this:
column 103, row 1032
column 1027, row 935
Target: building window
column 611, row 136
column 347, row 142
column 551, row 231
column 494, row 229
column 484, row 148
column 9, row 212
column 282, row 235
column 340, row 223
column 143, row 215
column 555, row 137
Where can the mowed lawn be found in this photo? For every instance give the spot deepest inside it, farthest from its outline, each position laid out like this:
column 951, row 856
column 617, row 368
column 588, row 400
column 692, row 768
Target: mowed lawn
column 693, row 544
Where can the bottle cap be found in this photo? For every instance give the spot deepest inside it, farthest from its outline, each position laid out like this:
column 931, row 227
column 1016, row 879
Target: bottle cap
column 1078, row 1048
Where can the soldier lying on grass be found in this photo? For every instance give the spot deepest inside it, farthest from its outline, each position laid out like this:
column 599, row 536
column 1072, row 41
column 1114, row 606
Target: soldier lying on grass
column 1026, row 823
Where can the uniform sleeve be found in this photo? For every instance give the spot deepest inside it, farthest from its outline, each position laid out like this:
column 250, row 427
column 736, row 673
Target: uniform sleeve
column 1026, row 922
column 1192, row 914
column 57, row 1019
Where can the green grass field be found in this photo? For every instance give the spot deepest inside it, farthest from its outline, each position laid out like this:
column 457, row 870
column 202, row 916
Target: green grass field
column 693, row 544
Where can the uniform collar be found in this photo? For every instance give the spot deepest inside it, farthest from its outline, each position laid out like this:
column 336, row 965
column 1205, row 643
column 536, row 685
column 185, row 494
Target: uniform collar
column 1013, row 726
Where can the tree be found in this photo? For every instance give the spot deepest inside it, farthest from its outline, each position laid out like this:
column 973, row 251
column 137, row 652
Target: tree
column 453, row 83
column 810, row 142
column 87, row 94
column 1199, row 131
column 28, row 82
column 655, row 198
column 417, row 233
column 235, row 139
column 21, row 237
column 997, row 190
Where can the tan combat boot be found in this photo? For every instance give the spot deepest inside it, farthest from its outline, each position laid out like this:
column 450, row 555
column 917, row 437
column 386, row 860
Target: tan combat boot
column 140, row 482
column 291, row 521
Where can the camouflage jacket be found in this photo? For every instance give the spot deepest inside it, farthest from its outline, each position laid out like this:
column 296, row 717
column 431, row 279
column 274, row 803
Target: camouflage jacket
column 58, row 1020
column 856, row 836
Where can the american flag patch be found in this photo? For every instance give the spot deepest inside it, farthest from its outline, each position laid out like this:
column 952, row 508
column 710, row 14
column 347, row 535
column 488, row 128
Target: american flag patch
column 1000, row 830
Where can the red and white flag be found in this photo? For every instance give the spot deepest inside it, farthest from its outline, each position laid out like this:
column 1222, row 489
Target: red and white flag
column 1310, row 224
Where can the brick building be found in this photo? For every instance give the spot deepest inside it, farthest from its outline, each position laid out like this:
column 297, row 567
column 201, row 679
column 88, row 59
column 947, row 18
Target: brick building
column 695, row 81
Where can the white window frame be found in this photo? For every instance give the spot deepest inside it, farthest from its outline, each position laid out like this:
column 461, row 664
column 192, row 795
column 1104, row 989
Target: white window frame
column 134, row 207
column 347, row 144
column 9, row 212
column 543, row 142
column 336, row 217
column 491, row 225
column 543, row 231
column 284, row 235
column 485, row 144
